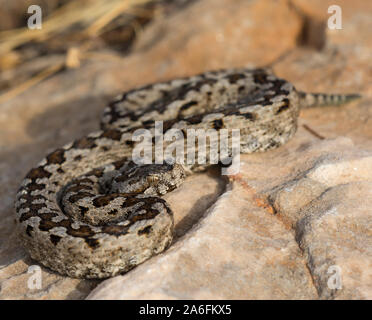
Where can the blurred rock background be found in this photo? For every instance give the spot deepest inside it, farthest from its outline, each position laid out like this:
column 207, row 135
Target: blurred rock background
column 274, row 230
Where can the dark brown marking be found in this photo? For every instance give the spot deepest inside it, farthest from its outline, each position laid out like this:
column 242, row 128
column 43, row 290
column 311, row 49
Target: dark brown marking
column 273, row 144
column 30, row 198
column 112, row 112
column 91, row 242
column 195, row 119
column 129, row 143
column 260, row 77
column 76, row 197
column 35, row 186
column 83, row 232
column 102, row 201
column 250, row 116
column 145, row 231
column 233, row 78
column 277, row 87
column 97, row 173
column 38, row 173
column 241, row 89
column 34, row 208
column 55, row 239
column 56, row 157
column 78, row 188
column 46, row 225
column 148, row 123
column 168, row 125
column 118, row 164
column 188, row 105
column 85, row 180
column 284, row 107
column 28, row 230
column 218, row 124
column 83, row 210
column 115, row 230
column 113, row 212
column 33, row 213
column 85, row 143
column 150, row 212
column 112, row 134
column 222, row 91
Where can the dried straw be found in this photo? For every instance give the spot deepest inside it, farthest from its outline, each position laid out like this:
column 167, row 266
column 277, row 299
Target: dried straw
column 92, row 15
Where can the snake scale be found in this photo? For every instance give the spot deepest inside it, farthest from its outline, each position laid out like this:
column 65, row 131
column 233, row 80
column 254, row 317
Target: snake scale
column 88, row 211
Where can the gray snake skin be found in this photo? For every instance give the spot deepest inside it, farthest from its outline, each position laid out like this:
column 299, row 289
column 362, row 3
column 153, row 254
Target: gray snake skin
column 88, row 211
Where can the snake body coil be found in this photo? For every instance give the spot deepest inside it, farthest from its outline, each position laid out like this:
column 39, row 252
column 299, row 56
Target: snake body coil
column 88, row 211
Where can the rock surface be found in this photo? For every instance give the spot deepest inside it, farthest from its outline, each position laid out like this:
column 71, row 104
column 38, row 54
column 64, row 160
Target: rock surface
column 244, row 248
column 288, row 223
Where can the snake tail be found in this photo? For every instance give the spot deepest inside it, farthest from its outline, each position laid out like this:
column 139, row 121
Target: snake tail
column 310, row 100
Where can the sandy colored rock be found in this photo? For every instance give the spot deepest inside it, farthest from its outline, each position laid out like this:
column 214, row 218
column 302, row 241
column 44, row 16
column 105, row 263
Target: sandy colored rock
column 285, row 219
column 244, row 248
column 223, row 33
column 335, row 232
column 323, row 194
column 237, row 251
column 189, row 203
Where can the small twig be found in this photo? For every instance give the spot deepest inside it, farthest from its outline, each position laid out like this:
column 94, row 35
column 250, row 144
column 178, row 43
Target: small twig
column 95, row 28
column 313, row 132
column 31, row 82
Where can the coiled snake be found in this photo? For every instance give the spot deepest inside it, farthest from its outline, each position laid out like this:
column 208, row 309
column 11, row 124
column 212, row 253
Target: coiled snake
column 88, row 211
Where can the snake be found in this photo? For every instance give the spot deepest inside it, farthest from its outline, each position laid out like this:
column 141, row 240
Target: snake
column 87, row 210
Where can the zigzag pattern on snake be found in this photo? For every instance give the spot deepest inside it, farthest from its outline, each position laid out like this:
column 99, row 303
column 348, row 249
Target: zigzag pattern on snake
column 88, row 211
